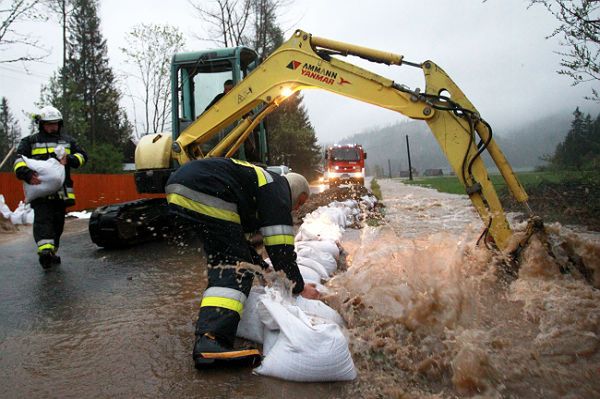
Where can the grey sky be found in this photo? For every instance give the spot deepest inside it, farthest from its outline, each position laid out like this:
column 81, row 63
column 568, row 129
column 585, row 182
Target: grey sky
column 495, row 51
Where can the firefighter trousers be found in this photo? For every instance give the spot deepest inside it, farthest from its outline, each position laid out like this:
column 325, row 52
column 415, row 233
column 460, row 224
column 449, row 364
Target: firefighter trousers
column 225, row 246
column 48, row 223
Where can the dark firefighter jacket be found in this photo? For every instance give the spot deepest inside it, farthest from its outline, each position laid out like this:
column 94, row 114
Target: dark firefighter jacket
column 41, row 146
column 240, row 192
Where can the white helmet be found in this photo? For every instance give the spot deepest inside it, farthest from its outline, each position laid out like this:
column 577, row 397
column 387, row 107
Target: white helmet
column 49, row 114
column 298, row 185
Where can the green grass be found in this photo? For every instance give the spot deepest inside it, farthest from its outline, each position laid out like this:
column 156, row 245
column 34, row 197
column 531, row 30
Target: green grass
column 450, row 184
column 376, row 189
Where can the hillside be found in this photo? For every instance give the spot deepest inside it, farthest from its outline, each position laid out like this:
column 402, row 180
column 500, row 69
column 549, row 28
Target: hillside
column 523, row 144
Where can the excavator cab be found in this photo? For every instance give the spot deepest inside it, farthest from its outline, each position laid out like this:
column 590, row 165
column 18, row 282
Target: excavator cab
column 197, row 78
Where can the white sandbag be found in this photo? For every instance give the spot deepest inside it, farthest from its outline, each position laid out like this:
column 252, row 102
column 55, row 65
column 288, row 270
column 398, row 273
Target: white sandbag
column 319, row 309
column 28, row 214
column 16, row 217
column 337, row 215
column 80, row 215
column 322, row 245
column 303, row 350
column 313, row 264
column 250, row 326
column 309, row 274
column 4, row 209
column 323, row 258
column 51, row 174
column 319, row 230
column 369, row 201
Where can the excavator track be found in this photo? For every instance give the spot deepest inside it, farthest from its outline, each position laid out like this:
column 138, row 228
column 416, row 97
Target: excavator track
column 130, row 223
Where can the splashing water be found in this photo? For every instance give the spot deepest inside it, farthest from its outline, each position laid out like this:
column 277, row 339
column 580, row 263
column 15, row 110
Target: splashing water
column 429, row 314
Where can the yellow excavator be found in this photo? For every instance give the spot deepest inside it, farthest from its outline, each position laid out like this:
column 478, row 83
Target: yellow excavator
column 306, row 62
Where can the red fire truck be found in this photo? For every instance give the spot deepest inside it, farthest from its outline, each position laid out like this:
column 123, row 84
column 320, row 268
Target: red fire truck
column 345, row 164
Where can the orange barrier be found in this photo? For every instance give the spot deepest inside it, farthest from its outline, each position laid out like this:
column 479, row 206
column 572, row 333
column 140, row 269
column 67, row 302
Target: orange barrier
column 91, row 191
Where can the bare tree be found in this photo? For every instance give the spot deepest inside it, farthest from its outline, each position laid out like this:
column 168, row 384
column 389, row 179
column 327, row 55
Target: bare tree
column 579, row 29
column 12, row 12
column 228, row 20
column 150, row 48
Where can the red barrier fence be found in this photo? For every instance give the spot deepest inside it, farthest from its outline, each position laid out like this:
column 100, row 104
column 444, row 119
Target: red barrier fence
column 91, row 191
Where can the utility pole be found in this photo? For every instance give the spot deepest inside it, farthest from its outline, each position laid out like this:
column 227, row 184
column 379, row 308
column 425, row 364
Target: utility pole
column 409, row 164
column 389, row 169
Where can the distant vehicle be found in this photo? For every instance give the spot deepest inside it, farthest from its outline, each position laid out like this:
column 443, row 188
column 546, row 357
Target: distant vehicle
column 345, row 164
column 280, row 170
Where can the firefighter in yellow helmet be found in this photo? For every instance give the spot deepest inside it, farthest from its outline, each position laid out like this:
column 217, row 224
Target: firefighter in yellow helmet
column 49, row 211
column 224, row 199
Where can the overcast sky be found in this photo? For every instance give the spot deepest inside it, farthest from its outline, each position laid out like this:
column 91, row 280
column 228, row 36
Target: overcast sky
column 497, row 53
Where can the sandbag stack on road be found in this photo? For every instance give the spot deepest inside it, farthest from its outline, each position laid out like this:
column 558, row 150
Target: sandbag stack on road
column 22, row 215
column 303, row 339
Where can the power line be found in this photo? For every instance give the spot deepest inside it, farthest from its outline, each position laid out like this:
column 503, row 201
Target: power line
column 21, row 72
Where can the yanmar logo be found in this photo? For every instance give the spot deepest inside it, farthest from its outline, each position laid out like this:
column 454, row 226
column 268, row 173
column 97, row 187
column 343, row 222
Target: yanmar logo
column 317, row 73
column 293, row 65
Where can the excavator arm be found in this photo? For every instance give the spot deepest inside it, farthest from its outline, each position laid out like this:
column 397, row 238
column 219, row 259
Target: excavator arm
column 309, row 62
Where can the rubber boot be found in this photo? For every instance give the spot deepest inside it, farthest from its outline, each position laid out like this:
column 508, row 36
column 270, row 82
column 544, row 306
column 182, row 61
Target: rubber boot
column 55, row 260
column 208, row 351
column 45, row 258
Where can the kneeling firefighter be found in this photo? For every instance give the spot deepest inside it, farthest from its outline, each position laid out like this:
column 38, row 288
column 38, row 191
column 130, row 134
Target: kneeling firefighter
column 226, row 198
column 49, row 211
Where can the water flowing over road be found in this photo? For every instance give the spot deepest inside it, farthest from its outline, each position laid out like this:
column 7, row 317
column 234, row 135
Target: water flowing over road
column 427, row 312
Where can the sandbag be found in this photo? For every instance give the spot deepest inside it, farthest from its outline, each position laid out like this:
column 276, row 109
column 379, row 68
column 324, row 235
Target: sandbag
column 16, row 217
column 323, row 245
column 314, row 265
column 4, row 209
column 250, row 326
column 51, row 174
column 309, row 275
column 319, row 309
column 300, row 349
column 323, row 258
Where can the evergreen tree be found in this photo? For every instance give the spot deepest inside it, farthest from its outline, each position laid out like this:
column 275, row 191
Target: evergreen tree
column 85, row 90
column 292, row 138
column 94, row 82
column 10, row 133
column 581, row 147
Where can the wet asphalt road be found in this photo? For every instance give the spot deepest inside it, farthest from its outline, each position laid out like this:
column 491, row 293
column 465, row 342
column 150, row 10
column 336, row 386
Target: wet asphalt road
column 114, row 324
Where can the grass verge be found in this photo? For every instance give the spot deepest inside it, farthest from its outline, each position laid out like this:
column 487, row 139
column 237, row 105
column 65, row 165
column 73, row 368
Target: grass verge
column 565, row 196
column 376, row 189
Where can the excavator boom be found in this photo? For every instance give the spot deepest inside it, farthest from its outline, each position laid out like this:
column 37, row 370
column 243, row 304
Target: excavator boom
column 308, row 62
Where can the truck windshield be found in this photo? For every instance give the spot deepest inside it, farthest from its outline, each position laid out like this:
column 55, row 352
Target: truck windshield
column 345, row 154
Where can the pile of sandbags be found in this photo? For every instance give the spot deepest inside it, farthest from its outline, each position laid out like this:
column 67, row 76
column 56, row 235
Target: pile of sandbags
column 303, row 339
column 22, row 215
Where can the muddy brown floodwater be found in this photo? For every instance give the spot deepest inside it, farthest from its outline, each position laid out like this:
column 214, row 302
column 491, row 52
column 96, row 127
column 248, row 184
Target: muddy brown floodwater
column 428, row 315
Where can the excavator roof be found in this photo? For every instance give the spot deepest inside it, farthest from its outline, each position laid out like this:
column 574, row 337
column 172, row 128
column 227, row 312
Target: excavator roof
column 245, row 54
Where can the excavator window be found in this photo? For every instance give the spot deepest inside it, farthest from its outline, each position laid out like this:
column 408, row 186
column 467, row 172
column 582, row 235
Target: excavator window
column 207, row 85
